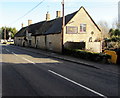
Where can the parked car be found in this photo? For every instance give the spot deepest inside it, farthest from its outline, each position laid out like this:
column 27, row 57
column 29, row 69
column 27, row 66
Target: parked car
column 4, row 43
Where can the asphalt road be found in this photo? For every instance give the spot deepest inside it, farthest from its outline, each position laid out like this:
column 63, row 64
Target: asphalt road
column 31, row 74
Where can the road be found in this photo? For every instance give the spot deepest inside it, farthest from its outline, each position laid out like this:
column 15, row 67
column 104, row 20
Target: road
column 26, row 73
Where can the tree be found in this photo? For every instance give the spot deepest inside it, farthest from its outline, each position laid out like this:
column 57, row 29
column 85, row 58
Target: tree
column 0, row 33
column 115, row 24
column 104, row 28
column 14, row 31
column 8, row 29
column 117, row 32
column 111, row 32
column 114, row 33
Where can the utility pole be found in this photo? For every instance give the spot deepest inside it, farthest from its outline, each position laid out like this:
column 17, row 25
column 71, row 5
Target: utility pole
column 119, row 15
column 101, row 42
column 63, row 24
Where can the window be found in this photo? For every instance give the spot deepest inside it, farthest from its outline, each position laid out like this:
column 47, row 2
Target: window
column 50, row 43
column 82, row 27
column 90, row 39
column 72, row 29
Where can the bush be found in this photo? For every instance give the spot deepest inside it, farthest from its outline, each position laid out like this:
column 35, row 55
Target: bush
column 99, row 57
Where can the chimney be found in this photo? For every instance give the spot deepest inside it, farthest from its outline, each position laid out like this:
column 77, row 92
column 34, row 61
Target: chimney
column 47, row 16
column 29, row 22
column 22, row 25
column 58, row 14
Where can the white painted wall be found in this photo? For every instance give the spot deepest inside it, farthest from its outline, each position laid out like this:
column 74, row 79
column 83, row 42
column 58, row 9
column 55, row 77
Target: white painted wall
column 94, row 46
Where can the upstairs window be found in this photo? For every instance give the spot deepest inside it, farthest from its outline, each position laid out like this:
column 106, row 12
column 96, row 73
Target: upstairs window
column 82, row 27
column 72, row 30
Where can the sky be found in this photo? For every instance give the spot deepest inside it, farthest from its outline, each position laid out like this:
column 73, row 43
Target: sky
column 12, row 11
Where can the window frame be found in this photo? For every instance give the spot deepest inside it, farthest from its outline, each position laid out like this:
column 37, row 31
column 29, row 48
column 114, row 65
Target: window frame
column 83, row 28
column 68, row 27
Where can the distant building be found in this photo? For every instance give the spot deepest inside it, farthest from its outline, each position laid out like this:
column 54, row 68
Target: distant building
column 119, row 13
column 80, row 32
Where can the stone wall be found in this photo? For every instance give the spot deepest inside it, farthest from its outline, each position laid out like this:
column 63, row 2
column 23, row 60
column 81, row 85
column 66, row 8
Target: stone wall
column 40, row 42
column 50, row 42
column 94, row 47
column 33, row 42
column 54, row 42
column 18, row 41
column 91, row 30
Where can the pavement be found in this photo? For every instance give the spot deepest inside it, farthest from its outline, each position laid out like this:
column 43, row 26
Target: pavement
column 112, row 68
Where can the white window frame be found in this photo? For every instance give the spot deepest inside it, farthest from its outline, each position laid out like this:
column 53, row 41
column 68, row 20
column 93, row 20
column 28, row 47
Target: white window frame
column 83, row 27
column 74, row 31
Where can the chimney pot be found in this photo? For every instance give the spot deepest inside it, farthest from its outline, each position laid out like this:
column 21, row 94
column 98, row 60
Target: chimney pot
column 22, row 25
column 47, row 16
column 29, row 22
column 58, row 14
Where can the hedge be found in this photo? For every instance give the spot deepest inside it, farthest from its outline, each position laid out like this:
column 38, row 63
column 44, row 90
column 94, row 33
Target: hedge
column 99, row 57
column 114, row 39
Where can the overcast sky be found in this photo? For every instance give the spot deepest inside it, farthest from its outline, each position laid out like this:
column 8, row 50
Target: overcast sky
column 12, row 10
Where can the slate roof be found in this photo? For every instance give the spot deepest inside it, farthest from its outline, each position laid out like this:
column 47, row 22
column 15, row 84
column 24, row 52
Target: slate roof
column 48, row 27
column 21, row 32
column 45, row 27
column 57, row 24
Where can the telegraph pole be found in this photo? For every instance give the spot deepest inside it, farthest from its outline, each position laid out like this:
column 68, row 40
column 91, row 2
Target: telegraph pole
column 63, row 10
column 63, row 24
column 101, row 42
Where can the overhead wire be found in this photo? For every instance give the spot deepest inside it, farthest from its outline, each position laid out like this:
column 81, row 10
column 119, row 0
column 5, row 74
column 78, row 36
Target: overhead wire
column 27, row 12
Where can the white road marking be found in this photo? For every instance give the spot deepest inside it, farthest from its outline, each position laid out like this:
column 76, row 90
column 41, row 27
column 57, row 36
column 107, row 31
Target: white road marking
column 28, row 60
column 78, row 84
column 7, row 50
column 24, row 58
column 14, row 54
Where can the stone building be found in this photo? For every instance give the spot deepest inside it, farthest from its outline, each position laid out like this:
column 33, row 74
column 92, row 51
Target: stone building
column 80, row 32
